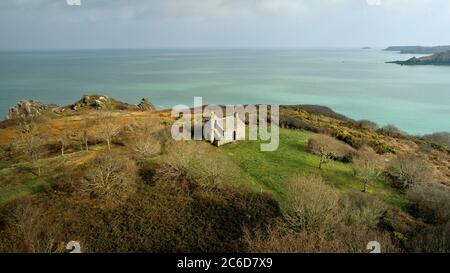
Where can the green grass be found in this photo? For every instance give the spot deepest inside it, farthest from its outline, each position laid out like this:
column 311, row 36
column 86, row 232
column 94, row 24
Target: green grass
column 24, row 184
column 273, row 170
column 261, row 171
column 18, row 180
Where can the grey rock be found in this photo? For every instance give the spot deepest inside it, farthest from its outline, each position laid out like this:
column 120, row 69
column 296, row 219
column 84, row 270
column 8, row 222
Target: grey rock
column 146, row 105
column 28, row 109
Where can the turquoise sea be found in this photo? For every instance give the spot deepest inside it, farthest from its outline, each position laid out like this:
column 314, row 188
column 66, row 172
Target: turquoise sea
column 354, row 82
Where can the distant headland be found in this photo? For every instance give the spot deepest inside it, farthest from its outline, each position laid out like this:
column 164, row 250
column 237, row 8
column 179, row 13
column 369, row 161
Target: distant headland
column 419, row 49
column 442, row 58
column 440, row 55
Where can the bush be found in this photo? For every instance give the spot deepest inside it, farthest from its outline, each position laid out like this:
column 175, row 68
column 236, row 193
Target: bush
column 363, row 209
column 367, row 125
column 442, row 138
column 161, row 218
column 347, row 137
column 111, row 178
column 193, row 163
column 311, row 204
column 408, row 170
column 391, row 130
column 382, row 148
column 295, row 123
column 279, row 239
column 431, row 239
column 367, row 166
column 430, row 202
column 147, row 172
column 27, row 231
column 143, row 139
column 336, row 150
column 348, row 239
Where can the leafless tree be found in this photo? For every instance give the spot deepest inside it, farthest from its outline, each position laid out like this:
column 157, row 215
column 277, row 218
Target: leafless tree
column 328, row 148
column 31, row 235
column 110, row 129
column 325, row 157
column 111, row 178
column 83, row 134
column 64, row 138
column 367, row 166
column 30, row 142
column 143, row 139
column 311, row 204
column 408, row 170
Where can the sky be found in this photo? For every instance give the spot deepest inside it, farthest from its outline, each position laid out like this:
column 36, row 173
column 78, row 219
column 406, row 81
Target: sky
column 95, row 24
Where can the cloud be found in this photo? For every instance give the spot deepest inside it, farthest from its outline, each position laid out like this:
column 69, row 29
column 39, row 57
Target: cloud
column 374, row 2
column 129, row 23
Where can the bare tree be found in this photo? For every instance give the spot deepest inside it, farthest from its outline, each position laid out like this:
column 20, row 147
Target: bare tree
column 111, row 178
column 328, row 148
column 325, row 157
column 110, row 129
column 408, row 170
column 311, row 204
column 33, row 236
column 82, row 135
column 143, row 139
column 64, row 138
column 367, row 166
column 30, row 142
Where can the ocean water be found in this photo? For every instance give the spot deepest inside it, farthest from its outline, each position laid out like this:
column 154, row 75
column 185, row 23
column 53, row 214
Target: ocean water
column 353, row 82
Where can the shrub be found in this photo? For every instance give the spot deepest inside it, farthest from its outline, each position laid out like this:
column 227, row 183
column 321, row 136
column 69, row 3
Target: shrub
column 367, row 125
column 382, row 148
column 362, row 209
column 196, row 164
column 110, row 178
column 110, row 129
column 408, row 170
column 311, row 204
column 142, row 138
column 442, row 138
column 430, row 202
column 290, row 122
column 431, row 239
column 334, row 149
column 279, row 239
column 391, row 130
column 367, row 166
column 347, row 137
column 27, row 231
column 147, row 172
column 349, row 239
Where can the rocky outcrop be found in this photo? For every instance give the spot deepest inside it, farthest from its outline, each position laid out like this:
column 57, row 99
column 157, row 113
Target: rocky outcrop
column 32, row 109
column 97, row 102
column 442, row 58
column 100, row 102
column 146, row 105
column 27, row 109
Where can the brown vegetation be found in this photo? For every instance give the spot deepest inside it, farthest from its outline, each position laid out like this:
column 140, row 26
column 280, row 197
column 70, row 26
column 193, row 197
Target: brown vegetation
column 367, row 166
column 329, row 148
column 406, row 171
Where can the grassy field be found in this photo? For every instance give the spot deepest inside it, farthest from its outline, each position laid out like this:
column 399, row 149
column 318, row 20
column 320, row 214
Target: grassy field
column 273, row 170
column 261, row 171
column 20, row 179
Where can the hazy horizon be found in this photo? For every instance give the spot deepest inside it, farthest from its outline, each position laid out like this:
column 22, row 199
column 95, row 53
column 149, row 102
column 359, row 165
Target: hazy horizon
column 221, row 24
